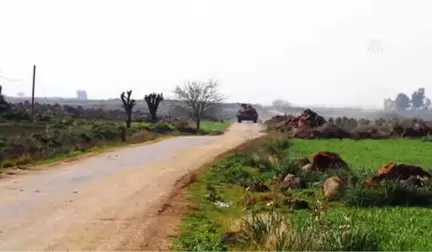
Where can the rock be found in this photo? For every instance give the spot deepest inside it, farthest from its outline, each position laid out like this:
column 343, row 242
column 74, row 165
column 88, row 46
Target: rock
column 333, row 187
column 296, row 204
column 325, row 160
column 257, row 187
column 291, row 182
column 307, row 168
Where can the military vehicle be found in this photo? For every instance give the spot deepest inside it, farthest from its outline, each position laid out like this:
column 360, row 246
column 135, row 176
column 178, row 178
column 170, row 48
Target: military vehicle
column 247, row 113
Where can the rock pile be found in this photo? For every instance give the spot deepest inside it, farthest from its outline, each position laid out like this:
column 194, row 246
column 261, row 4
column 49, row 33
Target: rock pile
column 310, row 125
column 401, row 172
column 308, row 119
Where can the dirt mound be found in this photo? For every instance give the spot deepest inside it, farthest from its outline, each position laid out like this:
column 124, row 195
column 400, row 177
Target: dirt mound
column 300, row 126
column 369, row 132
column 308, row 118
column 393, row 171
column 325, row 160
column 328, row 130
column 416, row 130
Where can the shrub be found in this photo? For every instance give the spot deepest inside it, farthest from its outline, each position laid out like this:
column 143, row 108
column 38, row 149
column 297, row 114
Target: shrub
column 8, row 164
column 24, row 159
column 162, row 127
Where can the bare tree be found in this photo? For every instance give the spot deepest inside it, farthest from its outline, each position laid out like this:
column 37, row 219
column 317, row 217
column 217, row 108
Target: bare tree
column 128, row 105
column 153, row 101
column 199, row 97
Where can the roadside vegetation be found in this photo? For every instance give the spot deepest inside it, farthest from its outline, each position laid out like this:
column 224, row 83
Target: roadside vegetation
column 52, row 132
column 259, row 197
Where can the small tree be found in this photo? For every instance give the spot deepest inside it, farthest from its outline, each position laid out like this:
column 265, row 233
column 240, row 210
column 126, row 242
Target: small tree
column 128, row 105
column 402, row 102
column 418, row 98
column 198, row 97
column 153, row 101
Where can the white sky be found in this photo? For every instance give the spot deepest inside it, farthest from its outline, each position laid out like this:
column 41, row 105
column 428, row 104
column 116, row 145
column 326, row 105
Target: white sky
column 307, row 52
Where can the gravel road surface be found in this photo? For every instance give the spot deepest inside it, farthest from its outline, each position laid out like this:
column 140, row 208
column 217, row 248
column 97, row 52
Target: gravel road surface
column 107, row 201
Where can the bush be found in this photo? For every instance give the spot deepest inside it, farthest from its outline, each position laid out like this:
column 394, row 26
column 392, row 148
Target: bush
column 23, row 160
column 8, row 164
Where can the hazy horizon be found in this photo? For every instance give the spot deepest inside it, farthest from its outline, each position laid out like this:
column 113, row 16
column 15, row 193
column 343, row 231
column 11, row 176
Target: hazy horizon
column 319, row 53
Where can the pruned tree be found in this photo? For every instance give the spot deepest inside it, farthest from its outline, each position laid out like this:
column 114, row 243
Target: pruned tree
column 153, row 101
column 199, row 97
column 402, row 102
column 128, row 105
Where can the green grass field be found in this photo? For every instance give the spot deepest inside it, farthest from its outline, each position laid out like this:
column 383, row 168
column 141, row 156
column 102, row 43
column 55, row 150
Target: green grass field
column 396, row 228
column 369, row 154
column 407, row 228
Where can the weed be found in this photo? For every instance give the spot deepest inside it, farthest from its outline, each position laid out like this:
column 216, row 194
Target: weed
column 275, row 232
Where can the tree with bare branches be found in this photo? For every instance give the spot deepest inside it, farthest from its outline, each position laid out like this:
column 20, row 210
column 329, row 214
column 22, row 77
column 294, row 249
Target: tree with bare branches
column 153, row 101
column 199, row 96
column 128, row 104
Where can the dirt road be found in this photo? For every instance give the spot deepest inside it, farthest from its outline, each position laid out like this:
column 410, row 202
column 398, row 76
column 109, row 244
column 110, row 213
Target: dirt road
column 108, row 201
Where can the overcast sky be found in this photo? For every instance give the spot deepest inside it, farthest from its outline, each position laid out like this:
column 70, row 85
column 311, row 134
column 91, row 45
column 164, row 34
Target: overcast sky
column 333, row 53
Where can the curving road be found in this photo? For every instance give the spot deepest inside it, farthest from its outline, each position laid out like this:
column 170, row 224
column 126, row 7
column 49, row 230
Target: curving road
column 104, row 202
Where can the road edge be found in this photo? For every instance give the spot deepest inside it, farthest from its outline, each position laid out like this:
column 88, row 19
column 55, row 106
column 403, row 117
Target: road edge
column 176, row 205
column 17, row 171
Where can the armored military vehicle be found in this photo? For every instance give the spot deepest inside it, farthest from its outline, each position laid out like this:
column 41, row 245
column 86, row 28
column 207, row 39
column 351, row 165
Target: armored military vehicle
column 247, row 113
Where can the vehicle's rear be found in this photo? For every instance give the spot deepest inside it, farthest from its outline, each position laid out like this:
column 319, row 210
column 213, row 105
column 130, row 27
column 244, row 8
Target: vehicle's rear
column 249, row 114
